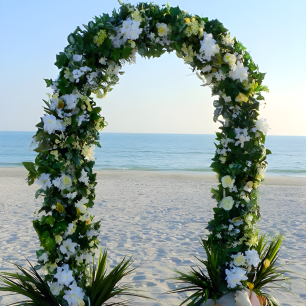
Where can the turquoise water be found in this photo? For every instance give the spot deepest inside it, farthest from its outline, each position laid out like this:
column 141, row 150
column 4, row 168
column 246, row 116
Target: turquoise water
column 162, row 152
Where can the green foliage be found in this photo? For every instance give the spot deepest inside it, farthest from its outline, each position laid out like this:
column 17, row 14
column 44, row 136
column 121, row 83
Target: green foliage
column 29, row 284
column 267, row 272
column 205, row 280
column 105, row 286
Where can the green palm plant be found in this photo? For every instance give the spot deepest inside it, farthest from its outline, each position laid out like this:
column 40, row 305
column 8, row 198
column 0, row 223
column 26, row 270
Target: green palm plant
column 205, row 280
column 267, row 272
column 105, row 287
column 29, row 284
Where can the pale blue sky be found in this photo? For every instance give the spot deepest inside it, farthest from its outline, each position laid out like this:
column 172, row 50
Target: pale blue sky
column 154, row 96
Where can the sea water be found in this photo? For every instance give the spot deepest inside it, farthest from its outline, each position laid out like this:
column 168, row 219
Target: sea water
column 162, row 152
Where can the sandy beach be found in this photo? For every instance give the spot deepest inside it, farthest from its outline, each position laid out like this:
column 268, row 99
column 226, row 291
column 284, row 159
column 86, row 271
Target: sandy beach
column 158, row 217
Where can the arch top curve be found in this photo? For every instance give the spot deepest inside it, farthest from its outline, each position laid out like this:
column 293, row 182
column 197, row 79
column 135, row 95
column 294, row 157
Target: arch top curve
column 69, row 130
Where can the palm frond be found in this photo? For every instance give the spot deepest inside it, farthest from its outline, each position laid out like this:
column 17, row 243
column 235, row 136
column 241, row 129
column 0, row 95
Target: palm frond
column 205, row 279
column 105, row 286
column 29, row 284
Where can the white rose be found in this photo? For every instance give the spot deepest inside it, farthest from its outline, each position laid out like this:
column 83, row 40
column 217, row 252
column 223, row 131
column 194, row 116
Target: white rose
column 230, row 58
column 56, row 288
column 239, row 259
column 227, row 203
column 162, row 29
column 77, row 57
column 227, row 181
column 262, row 125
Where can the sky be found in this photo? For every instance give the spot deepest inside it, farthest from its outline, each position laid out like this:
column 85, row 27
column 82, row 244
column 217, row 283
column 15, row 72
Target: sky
column 157, row 95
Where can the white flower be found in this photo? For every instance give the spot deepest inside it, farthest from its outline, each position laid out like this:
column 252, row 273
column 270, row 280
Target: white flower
column 70, row 229
column 242, row 298
column 77, row 74
column 51, row 124
column 227, row 40
column 227, row 203
column 249, row 186
column 88, row 152
column 103, row 60
column 243, row 196
column 130, row 29
column 206, row 68
column 239, row 72
column 238, row 220
column 77, row 57
column 82, row 118
column 76, row 290
column 44, row 257
column 85, row 69
column 84, row 177
column 209, row 46
column 91, row 233
column 68, row 247
column 81, row 205
column 222, row 159
column 262, row 126
column 63, row 182
column 56, row 288
column 72, row 299
column 71, row 100
column 252, row 258
column 227, row 181
column 71, row 195
column 151, row 36
column 230, row 58
column 226, row 98
column 162, row 29
column 44, row 181
column 239, row 259
column 64, row 275
column 235, row 276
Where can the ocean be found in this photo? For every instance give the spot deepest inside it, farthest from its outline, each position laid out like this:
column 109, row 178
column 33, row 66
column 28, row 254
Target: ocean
column 162, row 152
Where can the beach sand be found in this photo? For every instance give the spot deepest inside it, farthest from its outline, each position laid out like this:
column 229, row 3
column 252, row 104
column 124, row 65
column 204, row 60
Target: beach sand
column 158, row 217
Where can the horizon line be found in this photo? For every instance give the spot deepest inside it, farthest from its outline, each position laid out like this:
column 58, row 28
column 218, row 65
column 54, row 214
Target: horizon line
column 162, row 133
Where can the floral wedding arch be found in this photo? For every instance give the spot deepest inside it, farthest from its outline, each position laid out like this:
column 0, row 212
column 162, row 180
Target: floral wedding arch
column 68, row 132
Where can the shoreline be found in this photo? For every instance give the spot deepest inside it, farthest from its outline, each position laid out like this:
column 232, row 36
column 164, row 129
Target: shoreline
column 191, row 175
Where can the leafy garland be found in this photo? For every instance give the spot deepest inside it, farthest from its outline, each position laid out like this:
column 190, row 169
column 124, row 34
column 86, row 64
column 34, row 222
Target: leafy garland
column 69, row 131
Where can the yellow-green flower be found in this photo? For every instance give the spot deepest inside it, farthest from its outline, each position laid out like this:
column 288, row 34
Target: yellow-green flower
column 59, row 207
column 267, row 263
column 58, row 239
column 250, row 285
column 132, row 43
column 186, row 20
column 136, row 15
column 100, row 37
column 60, row 104
column 241, row 98
column 189, row 53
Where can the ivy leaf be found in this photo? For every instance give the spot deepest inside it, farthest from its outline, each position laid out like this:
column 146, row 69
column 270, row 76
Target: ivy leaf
column 77, row 160
column 61, row 60
column 59, row 227
column 48, row 82
column 38, row 192
column 83, row 191
column 49, row 219
column 29, row 166
column 268, row 152
column 126, row 52
column 217, row 113
column 70, row 139
column 175, row 11
column 49, row 244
